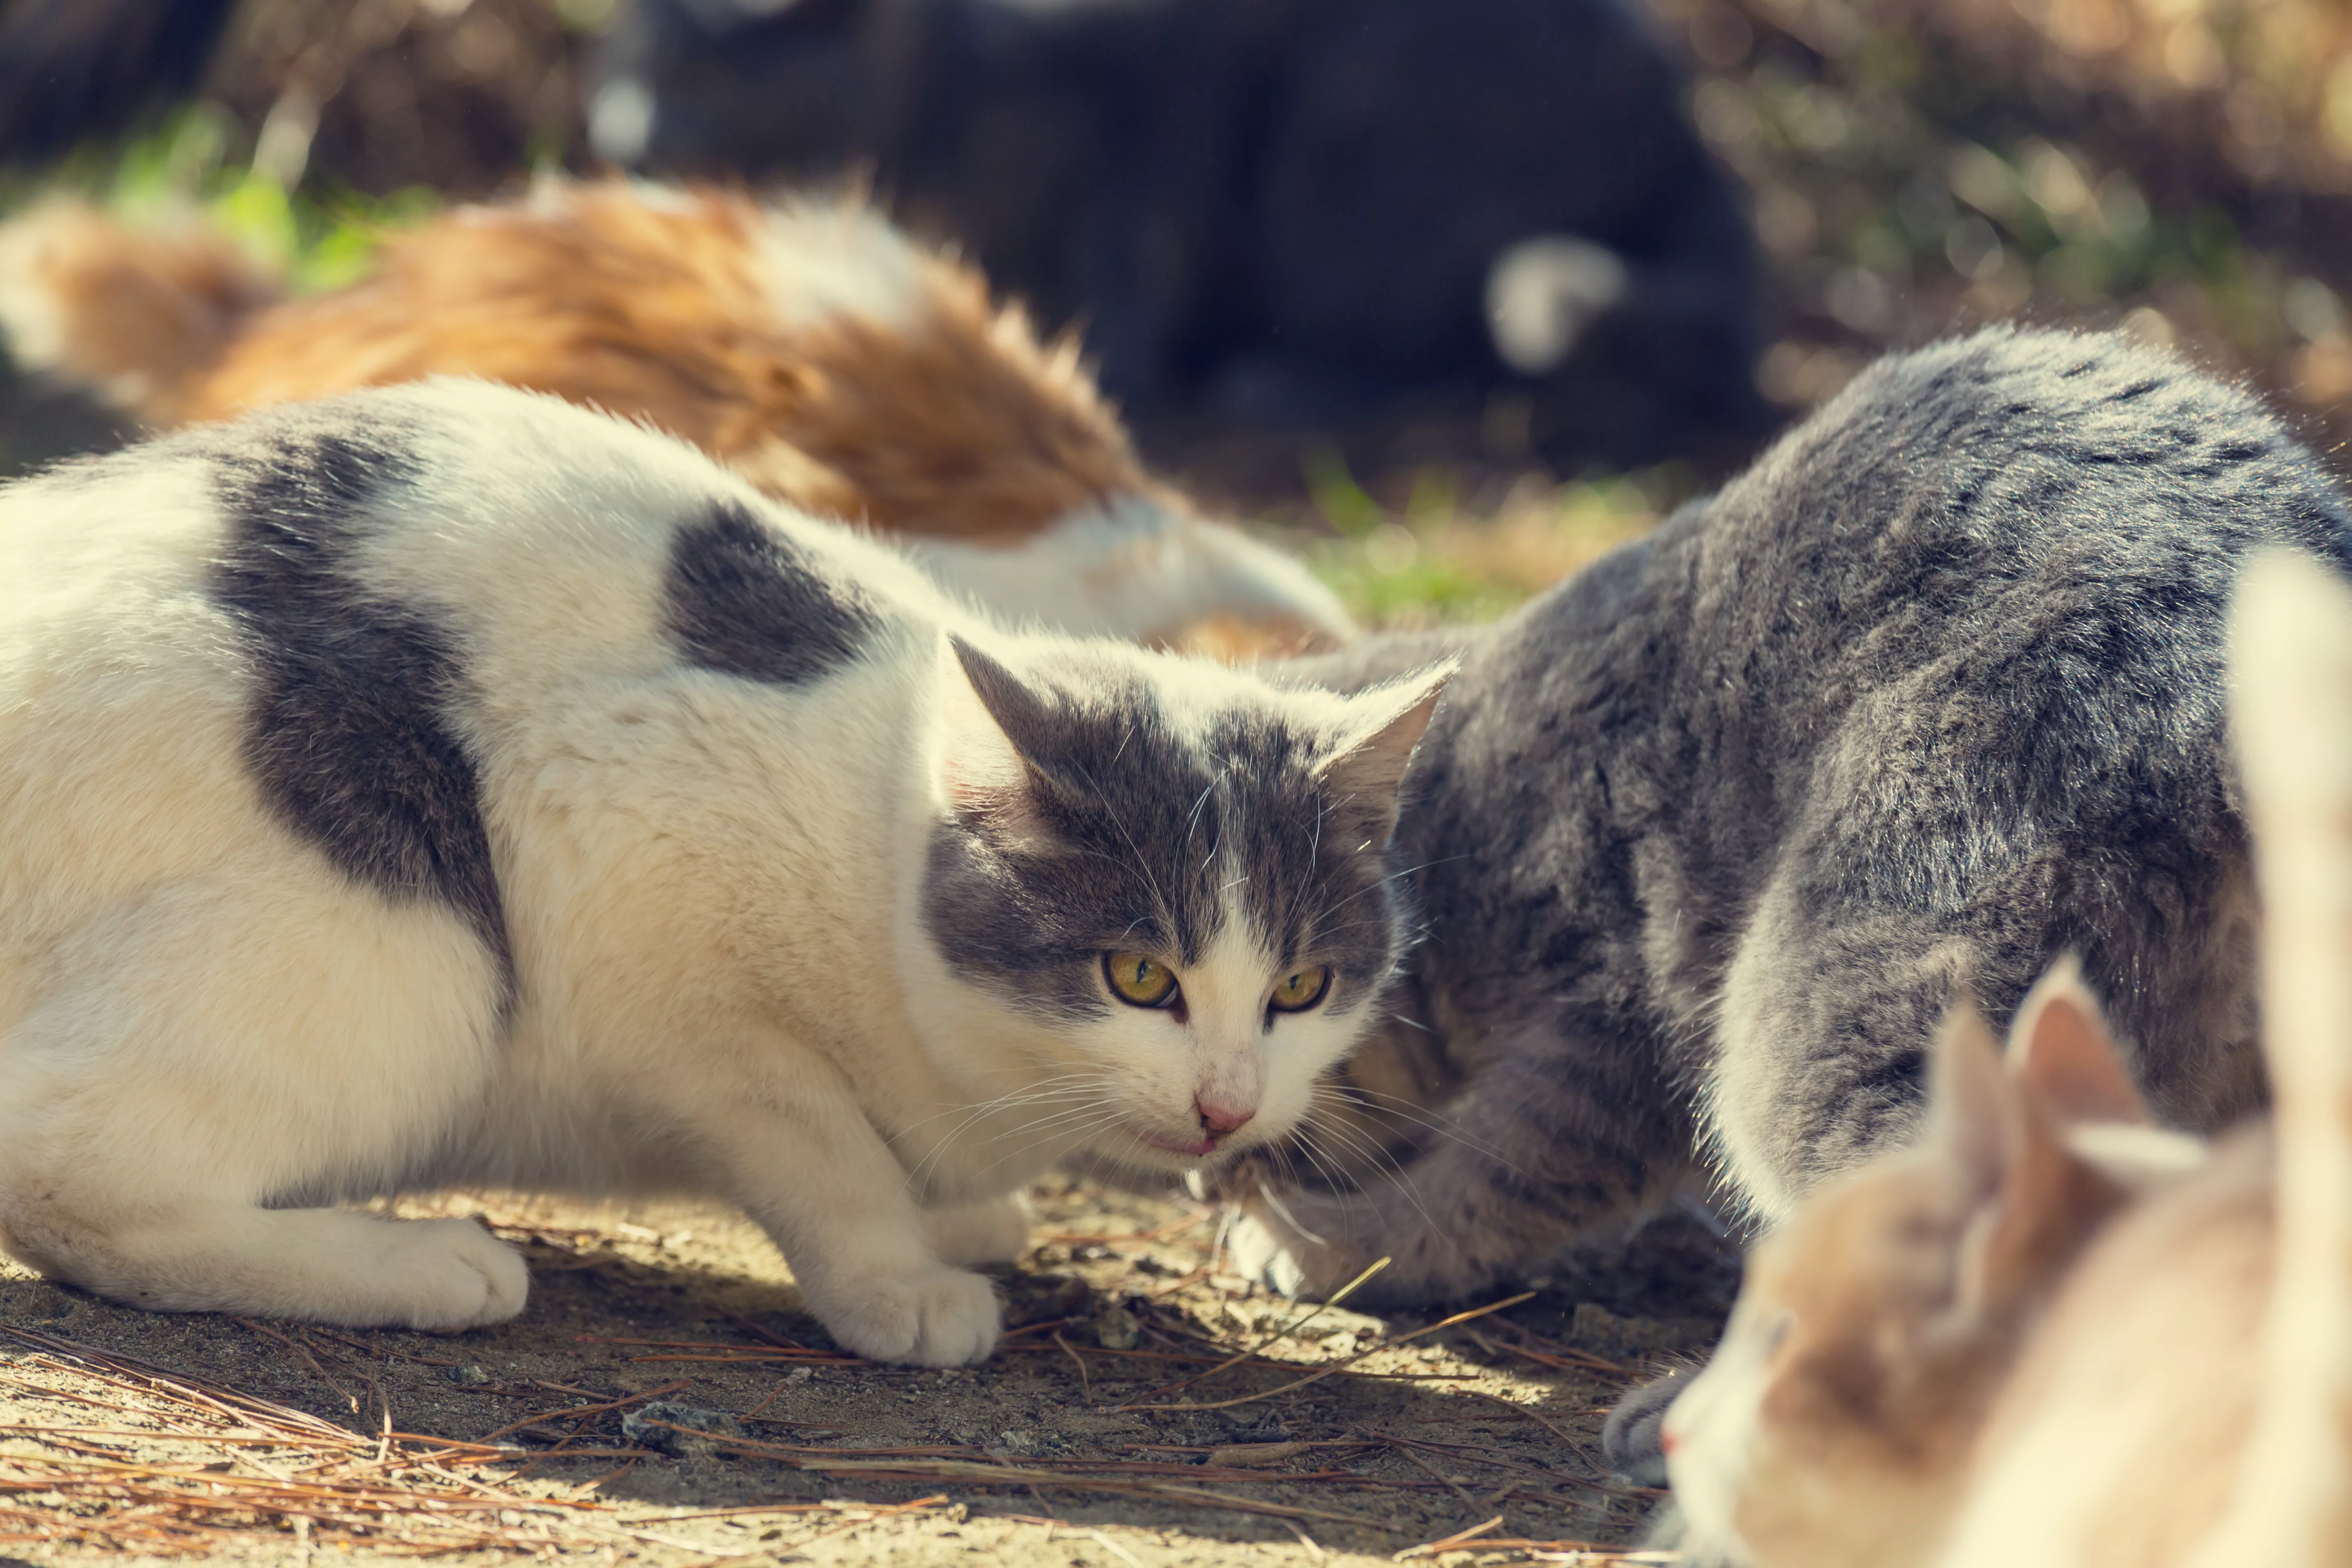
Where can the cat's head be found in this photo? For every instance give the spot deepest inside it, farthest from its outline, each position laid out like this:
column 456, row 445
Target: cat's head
column 1157, row 896
column 1833, row 1424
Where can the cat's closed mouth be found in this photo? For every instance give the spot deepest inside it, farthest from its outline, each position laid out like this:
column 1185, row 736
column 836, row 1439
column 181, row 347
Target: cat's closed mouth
column 1206, row 1143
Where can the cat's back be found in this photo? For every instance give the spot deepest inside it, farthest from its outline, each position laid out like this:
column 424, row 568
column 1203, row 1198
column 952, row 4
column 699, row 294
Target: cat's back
column 383, row 599
column 541, row 535
column 1987, row 581
column 2009, row 558
column 2080, row 466
column 2014, row 504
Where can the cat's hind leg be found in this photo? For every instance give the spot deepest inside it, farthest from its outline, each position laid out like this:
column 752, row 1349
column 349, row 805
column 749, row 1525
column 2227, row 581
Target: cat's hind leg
column 1831, row 1003
column 198, row 1060
column 327, row 1266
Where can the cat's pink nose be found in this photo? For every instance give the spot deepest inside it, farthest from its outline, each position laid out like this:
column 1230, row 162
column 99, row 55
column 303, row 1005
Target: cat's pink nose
column 1218, row 1119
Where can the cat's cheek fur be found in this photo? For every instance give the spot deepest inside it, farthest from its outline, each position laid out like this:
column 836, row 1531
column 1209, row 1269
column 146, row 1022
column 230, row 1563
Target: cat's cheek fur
column 1129, row 1082
column 1711, row 1430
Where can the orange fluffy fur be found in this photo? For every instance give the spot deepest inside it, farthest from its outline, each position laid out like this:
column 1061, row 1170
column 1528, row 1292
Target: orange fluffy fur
column 135, row 318
column 970, row 428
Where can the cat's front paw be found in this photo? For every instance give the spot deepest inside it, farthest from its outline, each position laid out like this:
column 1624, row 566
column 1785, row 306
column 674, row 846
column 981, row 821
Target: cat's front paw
column 969, row 1233
column 1301, row 1247
column 455, row 1275
column 940, row 1317
column 1259, row 1252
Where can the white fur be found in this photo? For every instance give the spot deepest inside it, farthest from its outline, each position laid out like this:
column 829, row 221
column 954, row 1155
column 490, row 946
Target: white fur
column 206, row 1031
column 1136, row 569
column 830, row 258
column 1711, row 1428
column 2136, row 1157
column 2291, row 669
column 2037, row 1502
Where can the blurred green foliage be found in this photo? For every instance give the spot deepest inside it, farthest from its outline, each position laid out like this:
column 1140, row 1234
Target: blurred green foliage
column 2180, row 167
column 316, row 236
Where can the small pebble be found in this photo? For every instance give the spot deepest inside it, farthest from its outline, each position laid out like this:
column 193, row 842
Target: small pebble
column 655, row 1425
column 1116, row 1327
column 1019, row 1444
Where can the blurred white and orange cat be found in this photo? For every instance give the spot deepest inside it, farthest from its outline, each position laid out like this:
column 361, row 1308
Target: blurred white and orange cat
column 805, row 343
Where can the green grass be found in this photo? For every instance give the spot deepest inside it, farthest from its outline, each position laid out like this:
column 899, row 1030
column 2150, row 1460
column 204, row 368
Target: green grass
column 1430, row 560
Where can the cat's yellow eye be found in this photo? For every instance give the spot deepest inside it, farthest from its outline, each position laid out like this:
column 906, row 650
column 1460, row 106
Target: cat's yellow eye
column 1138, row 981
column 1298, row 992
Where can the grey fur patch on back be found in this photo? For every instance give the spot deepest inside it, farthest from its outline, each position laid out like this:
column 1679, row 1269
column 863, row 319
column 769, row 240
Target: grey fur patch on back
column 1143, row 831
column 742, row 600
column 348, row 734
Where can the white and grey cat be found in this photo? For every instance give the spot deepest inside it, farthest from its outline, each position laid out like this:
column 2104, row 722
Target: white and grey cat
column 445, row 785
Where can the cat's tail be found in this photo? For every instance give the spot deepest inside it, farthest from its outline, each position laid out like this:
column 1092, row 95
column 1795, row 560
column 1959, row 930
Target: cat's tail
column 2291, row 670
column 133, row 315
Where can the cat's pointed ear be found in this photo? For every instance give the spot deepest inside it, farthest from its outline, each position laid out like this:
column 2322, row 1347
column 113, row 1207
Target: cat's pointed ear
column 988, row 719
column 2025, row 1197
column 1376, row 741
column 2061, row 1049
column 1972, row 1108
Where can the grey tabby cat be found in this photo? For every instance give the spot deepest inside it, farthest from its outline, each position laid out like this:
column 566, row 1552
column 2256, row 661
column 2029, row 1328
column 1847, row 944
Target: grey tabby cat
column 1707, row 838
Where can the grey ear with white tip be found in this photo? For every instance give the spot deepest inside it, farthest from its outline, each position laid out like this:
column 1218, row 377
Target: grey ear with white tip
column 1383, row 728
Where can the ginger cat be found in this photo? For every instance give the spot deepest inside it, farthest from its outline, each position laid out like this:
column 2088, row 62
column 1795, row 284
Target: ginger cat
column 805, row 343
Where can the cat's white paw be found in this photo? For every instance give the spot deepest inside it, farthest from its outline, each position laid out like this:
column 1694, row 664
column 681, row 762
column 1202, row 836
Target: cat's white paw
column 993, row 1232
column 1260, row 1253
column 1311, row 1244
column 940, row 1317
column 456, row 1275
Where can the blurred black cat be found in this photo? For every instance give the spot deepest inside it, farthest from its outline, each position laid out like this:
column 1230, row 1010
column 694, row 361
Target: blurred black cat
column 1289, row 211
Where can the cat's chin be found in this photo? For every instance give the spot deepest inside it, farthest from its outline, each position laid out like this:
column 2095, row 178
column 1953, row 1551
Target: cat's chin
column 1182, row 1148
column 1142, row 1150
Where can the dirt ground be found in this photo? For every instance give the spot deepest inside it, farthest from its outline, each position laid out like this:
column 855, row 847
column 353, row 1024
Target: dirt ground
column 1114, row 1429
